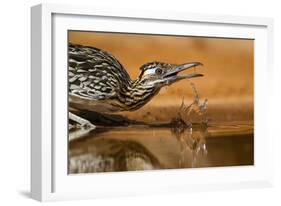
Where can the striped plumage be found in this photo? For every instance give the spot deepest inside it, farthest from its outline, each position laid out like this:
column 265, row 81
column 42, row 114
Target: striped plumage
column 98, row 82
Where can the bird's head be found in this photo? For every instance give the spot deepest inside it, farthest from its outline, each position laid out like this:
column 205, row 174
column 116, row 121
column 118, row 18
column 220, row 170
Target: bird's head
column 157, row 74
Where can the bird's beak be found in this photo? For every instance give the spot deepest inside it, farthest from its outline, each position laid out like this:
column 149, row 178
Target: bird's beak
column 172, row 75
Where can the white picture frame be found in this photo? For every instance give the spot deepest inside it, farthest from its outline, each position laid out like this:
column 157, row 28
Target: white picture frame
column 49, row 178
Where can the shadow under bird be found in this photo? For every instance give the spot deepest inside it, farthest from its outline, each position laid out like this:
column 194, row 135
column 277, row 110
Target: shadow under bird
column 98, row 82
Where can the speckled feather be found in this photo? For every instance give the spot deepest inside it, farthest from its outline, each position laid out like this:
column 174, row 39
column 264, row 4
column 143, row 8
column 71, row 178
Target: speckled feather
column 98, row 82
column 92, row 73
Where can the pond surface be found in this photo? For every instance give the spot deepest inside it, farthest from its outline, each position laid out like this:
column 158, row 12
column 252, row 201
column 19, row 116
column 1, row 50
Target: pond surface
column 140, row 147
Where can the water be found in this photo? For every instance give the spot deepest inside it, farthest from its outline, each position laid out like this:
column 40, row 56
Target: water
column 188, row 141
column 141, row 148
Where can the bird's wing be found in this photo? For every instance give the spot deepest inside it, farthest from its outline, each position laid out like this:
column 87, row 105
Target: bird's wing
column 93, row 73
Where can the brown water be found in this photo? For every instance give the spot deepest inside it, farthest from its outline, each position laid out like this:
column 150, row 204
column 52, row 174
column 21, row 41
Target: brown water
column 156, row 147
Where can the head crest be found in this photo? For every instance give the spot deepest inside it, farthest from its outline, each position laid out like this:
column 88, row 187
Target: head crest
column 149, row 65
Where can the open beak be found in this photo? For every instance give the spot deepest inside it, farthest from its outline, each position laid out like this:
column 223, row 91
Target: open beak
column 173, row 74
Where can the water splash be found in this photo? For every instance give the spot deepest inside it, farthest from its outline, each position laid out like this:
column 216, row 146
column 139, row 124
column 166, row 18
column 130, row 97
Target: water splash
column 196, row 112
column 190, row 127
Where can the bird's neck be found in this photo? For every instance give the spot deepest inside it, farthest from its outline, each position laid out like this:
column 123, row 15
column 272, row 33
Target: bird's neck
column 135, row 95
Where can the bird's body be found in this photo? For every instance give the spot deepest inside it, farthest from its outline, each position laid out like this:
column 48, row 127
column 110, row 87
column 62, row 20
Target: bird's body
column 98, row 82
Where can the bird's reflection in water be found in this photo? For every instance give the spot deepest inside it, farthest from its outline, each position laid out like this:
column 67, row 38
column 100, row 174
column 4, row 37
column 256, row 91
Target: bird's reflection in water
column 143, row 149
column 114, row 155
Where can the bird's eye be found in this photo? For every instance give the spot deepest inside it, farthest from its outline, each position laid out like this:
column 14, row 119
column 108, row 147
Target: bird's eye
column 158, row 71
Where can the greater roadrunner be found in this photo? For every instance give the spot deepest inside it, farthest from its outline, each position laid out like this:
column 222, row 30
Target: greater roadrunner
column 98, row 82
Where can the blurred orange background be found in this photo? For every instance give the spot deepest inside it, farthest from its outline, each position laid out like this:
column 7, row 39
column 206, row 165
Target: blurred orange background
column 228, row 70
